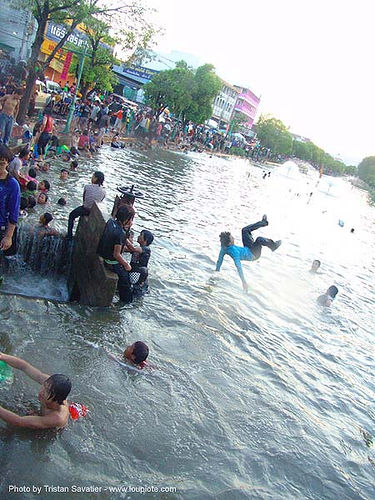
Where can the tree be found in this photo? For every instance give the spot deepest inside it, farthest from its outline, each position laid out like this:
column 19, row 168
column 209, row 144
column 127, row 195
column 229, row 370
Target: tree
column 366, row 170
column 274, row 135
column 237, row 122
column 187, row 93
column 71, row 13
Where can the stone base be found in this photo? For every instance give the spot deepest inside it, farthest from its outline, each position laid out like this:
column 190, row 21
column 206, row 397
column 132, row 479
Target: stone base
column 90, row 282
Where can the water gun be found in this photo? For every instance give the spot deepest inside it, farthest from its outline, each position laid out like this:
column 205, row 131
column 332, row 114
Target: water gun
column 77, row 410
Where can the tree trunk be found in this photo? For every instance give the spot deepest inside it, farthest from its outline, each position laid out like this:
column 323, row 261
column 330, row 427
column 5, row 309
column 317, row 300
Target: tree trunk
column 33, row 62
column 84, row 89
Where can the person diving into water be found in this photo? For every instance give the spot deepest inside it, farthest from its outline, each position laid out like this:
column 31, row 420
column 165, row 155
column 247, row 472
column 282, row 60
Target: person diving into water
column 251, row 249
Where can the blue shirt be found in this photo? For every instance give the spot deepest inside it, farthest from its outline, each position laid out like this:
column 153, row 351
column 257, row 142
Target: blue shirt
column 10, row 195
column 237, row 254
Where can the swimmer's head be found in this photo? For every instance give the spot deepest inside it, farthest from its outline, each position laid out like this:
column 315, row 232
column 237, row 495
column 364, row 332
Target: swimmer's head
column 64, row 174
column 61, row 201
column 332, row 291
column 45, row 218
column 44, row 185
column 125, row 216
column 31, row 186
column 23, row 203
column 56, row 388
column 315, row 265
column 31, row 201
column 145, row 238
column 42, row 198
column 226, row 239
column 352, row 230
column 32, row 172
column 73, row 164
column 137, row 352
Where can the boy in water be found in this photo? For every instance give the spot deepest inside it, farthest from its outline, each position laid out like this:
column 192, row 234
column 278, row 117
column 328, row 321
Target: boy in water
column 139, row 262
column 135, row 354
column 315, row 266
column 43, row 228
column 52, row 397
column 251, row 249
column 327, row 298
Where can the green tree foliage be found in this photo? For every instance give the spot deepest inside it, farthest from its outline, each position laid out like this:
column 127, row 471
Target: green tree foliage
column 186, row 92
column 366, row 170
column 126, row 17
column 237, row 122
column 274, row 134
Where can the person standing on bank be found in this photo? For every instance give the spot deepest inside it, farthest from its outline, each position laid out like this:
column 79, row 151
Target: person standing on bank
column 92, row 192
column 111, row 246
column 9, row 110
column 10, row 196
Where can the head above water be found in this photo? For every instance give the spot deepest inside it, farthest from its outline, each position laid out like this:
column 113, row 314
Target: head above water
column 56, row 389
column 61, row 201
column 44, row 185
column 46, row 218
column 146, row 236
column 226, row 239
column 137, row 352
column 42, row 198
column 315, row 265
column 31, row 186
column 32, row 172
column 332, row 291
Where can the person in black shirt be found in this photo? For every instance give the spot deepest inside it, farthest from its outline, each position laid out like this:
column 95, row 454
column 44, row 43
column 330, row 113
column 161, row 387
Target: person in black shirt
column 111, row 245
column 139, row 262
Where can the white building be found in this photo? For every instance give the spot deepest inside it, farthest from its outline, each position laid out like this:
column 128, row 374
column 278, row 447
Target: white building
column 223, row 105
column 17, row 31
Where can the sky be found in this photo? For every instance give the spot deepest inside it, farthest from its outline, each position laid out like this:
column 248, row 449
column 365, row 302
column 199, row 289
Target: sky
column 312, row 62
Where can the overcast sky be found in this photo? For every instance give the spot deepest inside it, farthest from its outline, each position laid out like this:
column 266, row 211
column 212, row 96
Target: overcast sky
column 312, row 62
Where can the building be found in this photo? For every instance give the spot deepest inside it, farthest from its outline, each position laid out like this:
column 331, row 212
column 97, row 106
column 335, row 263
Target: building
column 223, row 105
column 131, row 80
column 247, row 104
column 17, row 31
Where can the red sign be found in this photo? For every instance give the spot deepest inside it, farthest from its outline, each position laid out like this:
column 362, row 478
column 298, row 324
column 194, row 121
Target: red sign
column 68, row 60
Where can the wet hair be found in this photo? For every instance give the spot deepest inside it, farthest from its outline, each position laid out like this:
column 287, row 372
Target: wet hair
column 5, row 153
column 47, row 217
column 225, row 239
column 64, row 170
column 124, row 213
column 99, row 176
column 59, row 387
column 61, row 201
column 31, row 186
column 47, row 185
column 332, row 291
column 317, row 261
column 352, row 230
column 140, row 352
column 74, row 163
column 23, row 203
column 24, row 152
column 32, row 172
column 148, row 236
column 44, row 194
column 31, row 201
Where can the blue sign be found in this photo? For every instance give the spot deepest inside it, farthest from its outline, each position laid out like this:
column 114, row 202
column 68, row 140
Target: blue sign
column 139, row 71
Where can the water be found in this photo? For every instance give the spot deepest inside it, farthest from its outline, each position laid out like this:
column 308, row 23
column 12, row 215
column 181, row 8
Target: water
column 253, row 396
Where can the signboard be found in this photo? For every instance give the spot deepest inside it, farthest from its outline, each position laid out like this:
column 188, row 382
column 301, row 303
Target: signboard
column 139, row 71
column 47, row 48
column 68, row 60
column 56, row 32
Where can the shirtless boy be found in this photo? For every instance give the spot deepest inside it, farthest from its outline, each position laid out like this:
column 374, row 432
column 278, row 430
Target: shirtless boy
column 10, row 104
column 54, row 408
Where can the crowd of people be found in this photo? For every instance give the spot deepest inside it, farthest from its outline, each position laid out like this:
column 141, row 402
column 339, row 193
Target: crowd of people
column 22, row 187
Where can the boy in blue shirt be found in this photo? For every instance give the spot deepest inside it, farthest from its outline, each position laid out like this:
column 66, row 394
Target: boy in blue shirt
column 251, row 249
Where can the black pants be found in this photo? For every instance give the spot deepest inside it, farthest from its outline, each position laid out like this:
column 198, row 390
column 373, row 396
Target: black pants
column 256, row 246
column 77, row 212
column 131, row 284
column 42, row 142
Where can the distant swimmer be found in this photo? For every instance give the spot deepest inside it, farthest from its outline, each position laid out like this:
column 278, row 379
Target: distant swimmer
column 327, row 298
column 134, row 354
column 251, row 249
column 352, row 230
column 54, row 411
column 315, row 266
